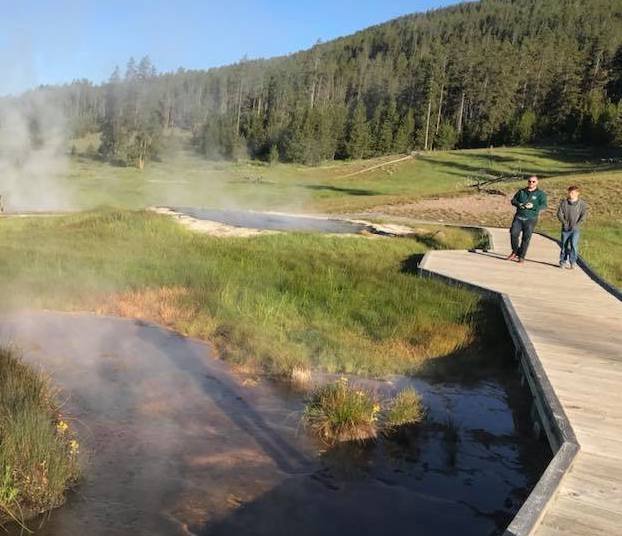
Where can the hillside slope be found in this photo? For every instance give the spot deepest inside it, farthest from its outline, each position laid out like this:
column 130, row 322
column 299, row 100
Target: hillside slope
column 475, row 74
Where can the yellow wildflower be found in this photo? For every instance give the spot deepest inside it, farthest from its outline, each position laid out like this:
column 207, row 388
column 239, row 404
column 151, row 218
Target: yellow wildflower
column 74, row 447
column 62, row 427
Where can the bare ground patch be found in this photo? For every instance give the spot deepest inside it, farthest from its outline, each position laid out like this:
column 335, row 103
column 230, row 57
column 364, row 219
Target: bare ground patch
column 475, row 208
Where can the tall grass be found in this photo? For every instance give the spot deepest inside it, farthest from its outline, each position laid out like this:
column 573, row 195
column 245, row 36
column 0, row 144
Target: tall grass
column 38, row 455
column 339, row 412
column 280, row 301
column 405, row 408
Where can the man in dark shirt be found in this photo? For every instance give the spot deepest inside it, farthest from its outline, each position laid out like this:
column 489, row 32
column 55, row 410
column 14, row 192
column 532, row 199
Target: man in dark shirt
column 571, row 213
column 529, row 202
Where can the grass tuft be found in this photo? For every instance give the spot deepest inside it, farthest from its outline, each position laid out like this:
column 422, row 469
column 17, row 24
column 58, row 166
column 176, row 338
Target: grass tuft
column 339, row 412
column 38, row 454
column 405, row 408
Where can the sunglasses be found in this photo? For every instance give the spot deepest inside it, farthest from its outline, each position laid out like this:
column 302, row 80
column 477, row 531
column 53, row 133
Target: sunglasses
column 532, row 181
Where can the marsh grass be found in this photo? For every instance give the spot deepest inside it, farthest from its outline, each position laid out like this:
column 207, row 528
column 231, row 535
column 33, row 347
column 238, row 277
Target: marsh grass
column 404, row 409
column 38, row 454
column 339, row 412
column 338, row 304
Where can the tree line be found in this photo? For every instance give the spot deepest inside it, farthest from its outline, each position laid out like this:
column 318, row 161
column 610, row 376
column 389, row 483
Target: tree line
column 490, row 72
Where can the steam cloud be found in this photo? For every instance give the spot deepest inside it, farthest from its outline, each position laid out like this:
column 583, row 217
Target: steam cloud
column 33, row 159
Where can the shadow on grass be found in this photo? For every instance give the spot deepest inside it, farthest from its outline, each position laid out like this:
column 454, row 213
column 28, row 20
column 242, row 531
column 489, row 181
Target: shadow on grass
column 483, row 358
column 411, row 264
column 461, row 169
column 338, row 189
column 487, row 352
column 583, row 160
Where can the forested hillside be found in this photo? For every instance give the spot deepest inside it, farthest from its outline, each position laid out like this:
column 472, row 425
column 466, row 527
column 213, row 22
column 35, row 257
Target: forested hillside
column 489, row 72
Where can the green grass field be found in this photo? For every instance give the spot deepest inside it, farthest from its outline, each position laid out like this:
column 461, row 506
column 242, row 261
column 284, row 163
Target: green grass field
column 183, row 178
column 348, row 304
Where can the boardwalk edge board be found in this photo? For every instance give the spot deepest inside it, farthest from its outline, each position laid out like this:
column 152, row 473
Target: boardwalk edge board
column 593, row 274
column 556, row 425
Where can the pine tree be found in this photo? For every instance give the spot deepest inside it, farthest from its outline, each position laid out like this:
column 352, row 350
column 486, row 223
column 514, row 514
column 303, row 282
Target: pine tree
column 357, row 145
column 524, row 128
column 404, row 136
column 446, row 137
column 130, row 69
column 388, row 127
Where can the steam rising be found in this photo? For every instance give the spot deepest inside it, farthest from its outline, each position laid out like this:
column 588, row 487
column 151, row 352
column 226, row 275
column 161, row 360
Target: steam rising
column 33, row 158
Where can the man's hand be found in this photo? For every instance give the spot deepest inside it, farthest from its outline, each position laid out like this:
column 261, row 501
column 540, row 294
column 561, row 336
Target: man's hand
column 528, row 205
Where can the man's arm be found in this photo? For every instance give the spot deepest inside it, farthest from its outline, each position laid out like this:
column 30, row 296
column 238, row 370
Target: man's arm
column 515, row 200
column 560, row 213
column 543, row 201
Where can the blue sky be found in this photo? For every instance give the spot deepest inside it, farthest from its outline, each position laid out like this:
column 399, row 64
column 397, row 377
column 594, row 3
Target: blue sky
column 57, row 41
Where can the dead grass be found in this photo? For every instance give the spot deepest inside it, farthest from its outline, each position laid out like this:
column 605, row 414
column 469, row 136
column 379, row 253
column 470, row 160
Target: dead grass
column 168, row 306
column 301, row 379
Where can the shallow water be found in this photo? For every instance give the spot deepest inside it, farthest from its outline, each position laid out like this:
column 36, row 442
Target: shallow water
column 175, row 443
column 273, row 222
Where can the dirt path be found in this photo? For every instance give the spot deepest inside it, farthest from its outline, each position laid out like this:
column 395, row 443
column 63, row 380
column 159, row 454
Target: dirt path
column 375, row 166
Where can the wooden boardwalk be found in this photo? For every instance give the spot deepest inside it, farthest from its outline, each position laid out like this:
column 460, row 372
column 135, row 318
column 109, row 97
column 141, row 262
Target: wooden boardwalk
column 575, row 327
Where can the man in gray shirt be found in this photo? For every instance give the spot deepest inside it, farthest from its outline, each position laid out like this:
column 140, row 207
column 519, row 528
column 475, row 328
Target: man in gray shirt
column 571, row 213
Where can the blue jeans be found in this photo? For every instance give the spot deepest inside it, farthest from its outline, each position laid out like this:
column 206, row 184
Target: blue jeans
column 525, row 228
column 570, row 246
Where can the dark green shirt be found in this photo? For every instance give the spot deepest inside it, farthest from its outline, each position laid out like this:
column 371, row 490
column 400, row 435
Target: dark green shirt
column 524, row 196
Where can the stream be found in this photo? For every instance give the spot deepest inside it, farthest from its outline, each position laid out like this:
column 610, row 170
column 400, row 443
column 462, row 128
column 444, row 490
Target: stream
column 174, row 442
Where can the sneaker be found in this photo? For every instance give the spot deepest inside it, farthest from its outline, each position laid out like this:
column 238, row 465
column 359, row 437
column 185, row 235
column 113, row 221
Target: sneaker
column 521, row 260
column 511, row 257
column 562, row 264
column 570, row 266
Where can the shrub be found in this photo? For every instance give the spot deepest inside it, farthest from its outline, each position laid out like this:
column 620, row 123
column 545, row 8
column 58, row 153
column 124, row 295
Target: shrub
column 405, row 408
column 338, row 412
column 38, row 458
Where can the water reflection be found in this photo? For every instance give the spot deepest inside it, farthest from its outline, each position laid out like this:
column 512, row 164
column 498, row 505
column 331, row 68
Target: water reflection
column 273, row 222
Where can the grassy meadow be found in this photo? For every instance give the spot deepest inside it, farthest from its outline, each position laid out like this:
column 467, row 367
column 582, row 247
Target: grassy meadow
column 342, row 304
column 182, row 178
